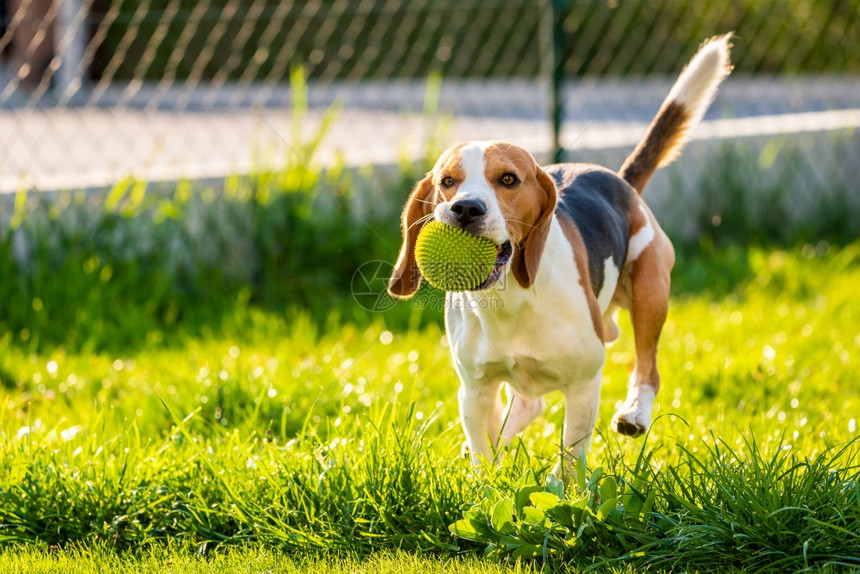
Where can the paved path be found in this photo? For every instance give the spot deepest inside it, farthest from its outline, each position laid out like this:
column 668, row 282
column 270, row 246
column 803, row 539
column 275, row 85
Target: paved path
column 205, row 134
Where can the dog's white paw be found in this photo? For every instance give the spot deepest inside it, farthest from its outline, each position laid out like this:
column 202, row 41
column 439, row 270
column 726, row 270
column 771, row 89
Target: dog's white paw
column 634, row 416
column 631, row 423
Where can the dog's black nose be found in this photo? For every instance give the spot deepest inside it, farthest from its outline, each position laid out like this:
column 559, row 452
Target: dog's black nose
column 468, row 210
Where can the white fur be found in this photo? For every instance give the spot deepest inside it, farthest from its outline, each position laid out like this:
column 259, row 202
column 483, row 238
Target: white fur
column 610, row 281
column 581, row 405
column 697, row 85
column 641, row 239
column 636, row 409
column 537, row 340
column 475, row 186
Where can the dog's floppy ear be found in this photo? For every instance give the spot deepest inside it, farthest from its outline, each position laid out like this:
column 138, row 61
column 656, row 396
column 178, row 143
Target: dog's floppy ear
column 406, row 277
column 527, row 258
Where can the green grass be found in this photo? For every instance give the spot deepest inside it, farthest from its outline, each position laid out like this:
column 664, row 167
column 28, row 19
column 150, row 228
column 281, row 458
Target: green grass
column 244, row 560
column 280, row 437
column 185, row 382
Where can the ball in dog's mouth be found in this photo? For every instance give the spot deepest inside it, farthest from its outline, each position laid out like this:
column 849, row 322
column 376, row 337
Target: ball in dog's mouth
column 452, row 259
column 503, row 255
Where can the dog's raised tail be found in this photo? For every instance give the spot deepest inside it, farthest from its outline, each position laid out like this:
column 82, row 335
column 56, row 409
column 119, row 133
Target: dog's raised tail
column 682, row 109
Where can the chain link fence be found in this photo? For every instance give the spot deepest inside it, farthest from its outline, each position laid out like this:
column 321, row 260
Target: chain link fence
column 92, row 91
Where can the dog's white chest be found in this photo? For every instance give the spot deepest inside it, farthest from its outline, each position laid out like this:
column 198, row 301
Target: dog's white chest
column 537, row 340
column 533, row 356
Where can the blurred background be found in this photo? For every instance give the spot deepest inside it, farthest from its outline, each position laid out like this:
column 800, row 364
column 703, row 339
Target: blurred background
column 92, row 91
column 288, row 113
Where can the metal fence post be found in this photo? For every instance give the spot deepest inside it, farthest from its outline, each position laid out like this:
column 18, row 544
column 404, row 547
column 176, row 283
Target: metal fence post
column 71, row 43
column 557, row 12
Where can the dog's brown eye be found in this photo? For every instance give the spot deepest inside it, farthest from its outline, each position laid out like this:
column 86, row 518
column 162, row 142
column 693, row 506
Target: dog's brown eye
column 508, row 179
column 447, row 181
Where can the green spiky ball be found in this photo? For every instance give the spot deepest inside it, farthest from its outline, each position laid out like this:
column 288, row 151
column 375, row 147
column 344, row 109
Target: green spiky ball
column 452, row 259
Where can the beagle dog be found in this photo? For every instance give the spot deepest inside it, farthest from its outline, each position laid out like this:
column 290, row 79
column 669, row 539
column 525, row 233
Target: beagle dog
column 576, row 242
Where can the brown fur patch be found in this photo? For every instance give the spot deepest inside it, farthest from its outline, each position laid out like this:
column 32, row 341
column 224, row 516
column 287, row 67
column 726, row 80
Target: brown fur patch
column 651, row 283
column 521, row 205
column 406, row 277
column 664, row 134
column 580, row 256
column 636, row 219
column 527, row 206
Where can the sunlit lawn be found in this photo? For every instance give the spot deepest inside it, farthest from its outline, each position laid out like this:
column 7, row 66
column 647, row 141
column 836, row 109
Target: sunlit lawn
column 294, row 436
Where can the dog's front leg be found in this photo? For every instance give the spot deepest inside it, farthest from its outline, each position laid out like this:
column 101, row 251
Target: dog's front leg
column 480, row 415
column 581, row 403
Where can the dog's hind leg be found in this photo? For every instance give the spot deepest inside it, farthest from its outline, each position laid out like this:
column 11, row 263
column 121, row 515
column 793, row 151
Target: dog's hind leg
column 649, row 290
column 519, row 413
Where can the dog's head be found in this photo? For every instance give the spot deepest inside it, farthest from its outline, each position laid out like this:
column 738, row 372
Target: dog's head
column 490, row 189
